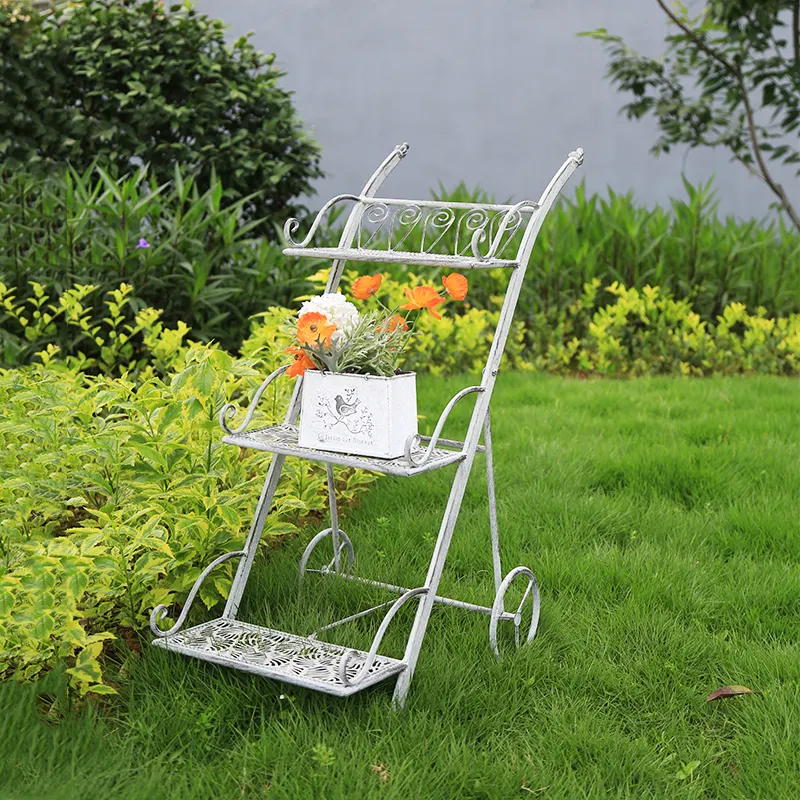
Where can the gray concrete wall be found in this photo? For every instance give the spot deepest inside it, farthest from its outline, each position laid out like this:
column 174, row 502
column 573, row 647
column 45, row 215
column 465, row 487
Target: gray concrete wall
column 491, row 92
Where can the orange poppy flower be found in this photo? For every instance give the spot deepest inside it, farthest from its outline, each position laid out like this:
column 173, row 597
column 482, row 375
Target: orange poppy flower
column 301, row 362
column 395, row 322
column 423, row 297
column 313, row 327
column 455, row 285
column 366, row 286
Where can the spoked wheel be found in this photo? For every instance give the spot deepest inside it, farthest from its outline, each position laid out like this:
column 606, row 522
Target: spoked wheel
column 499, row 612
column 345, row 547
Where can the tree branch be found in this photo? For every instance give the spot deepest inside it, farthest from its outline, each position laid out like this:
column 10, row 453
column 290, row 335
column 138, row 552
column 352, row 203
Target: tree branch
column 736, row 73
column 698, row 40
column 796, row 33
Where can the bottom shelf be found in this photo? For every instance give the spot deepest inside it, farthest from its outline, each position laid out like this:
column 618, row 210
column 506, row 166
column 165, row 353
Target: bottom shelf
column 277, row 655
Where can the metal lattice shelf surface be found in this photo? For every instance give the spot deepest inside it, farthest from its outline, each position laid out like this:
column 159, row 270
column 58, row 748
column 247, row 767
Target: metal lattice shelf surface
column 281, row 656
column 402, row 257
column 283, row 439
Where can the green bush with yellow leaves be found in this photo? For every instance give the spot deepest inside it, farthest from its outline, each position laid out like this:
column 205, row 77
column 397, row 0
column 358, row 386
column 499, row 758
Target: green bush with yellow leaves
column 648, row 332
column 115, row 493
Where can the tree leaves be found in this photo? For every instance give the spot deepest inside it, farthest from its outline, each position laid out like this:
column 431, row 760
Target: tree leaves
column 702, row 91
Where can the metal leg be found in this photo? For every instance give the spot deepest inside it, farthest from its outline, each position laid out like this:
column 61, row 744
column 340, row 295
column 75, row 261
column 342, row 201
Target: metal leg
column 432, row 581
column 334, row 519
column 254, row 537
column 487, row 440
column 477, row 423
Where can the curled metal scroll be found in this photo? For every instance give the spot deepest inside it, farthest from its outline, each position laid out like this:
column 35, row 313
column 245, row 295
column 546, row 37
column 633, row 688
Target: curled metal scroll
column 415, row 439
column 229, row 409
column 437, row 224
column 577, row 156
column 160, row 611
column 474, row 220
column 345, row 544
column 511, row 218
column 404, row 220
column 498, row 608
column 376, row 642
column 374, row 214
column 292, row 224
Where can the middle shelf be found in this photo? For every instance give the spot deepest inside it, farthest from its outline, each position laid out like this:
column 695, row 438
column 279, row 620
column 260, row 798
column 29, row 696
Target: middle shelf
column 283, row 439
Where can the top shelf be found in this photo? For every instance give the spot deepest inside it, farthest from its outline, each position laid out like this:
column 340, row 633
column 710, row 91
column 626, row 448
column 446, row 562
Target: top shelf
column 433, row 233
column 401, row 257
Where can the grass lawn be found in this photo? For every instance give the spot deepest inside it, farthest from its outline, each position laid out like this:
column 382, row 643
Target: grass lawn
column 662, row 518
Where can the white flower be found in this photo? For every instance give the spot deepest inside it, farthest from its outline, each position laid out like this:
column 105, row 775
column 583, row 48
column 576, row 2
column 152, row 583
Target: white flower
column 339, row 312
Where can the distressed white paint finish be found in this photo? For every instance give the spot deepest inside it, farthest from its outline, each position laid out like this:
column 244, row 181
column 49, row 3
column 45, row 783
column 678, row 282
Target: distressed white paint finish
column 358, row 414
column 306, row 662
column 298, row 660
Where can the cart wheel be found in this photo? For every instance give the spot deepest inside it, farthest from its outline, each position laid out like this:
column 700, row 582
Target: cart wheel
column 499, row 612
column 344, row 544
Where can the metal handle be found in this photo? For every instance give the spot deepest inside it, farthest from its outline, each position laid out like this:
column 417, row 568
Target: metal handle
column 415, row 439
column 229, row 409
column 373, row 651
column 160, row 611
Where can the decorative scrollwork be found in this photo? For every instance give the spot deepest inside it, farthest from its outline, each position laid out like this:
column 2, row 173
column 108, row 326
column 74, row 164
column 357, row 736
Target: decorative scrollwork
column 228, row 410
column 414, row 440
column 437, row 224
column 376, row 642
column 509, row 223
column 160, row 611
column 292, row 225
column 404, row 221
column 375, row 214
column 474, row 220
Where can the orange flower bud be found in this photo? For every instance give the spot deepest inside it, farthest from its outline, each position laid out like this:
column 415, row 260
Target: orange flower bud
column 366, row 286
column 455, row 285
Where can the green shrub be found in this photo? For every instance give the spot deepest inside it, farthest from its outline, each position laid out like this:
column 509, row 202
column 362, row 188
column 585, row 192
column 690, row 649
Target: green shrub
column 686, row 250
column 648, row 332
column 114, row 495
column 130, row 82
column 203, row 266
column 640, row 332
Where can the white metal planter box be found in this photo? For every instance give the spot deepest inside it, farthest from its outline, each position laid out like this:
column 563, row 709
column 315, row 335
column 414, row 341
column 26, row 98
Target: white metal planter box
column 364, row 415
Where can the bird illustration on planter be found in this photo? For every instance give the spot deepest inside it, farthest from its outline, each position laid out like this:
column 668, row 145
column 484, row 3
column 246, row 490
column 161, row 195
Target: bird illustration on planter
column 347, row 410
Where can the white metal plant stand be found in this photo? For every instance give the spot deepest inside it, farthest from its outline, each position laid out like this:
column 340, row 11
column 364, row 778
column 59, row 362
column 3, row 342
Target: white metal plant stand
column 379, row 229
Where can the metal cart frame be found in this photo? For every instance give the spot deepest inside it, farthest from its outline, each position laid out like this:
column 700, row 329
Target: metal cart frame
column 377, row 229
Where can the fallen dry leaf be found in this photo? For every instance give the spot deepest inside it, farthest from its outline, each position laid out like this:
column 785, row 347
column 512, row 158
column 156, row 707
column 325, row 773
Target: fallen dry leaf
column 728, row 691
column 381, row 771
